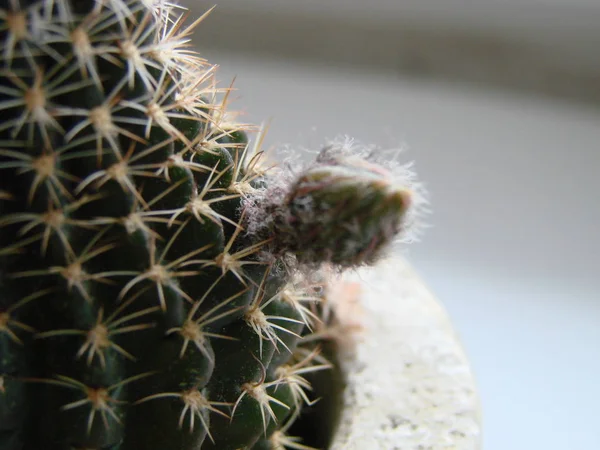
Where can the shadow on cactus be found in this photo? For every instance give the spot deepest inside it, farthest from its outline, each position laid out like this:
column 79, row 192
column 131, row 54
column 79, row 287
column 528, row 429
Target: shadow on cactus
column 161, row 287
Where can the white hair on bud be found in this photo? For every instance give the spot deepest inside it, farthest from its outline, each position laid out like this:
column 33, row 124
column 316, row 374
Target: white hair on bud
column 402, row 174
column 263, row 206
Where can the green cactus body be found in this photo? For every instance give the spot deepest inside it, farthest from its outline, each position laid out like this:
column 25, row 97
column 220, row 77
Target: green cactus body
column 137, row 311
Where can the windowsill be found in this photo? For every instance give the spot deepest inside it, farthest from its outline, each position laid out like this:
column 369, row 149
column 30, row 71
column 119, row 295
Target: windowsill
column 554, row 53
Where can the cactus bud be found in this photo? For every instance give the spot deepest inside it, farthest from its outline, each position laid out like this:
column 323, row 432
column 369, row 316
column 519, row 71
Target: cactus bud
column 343, row 209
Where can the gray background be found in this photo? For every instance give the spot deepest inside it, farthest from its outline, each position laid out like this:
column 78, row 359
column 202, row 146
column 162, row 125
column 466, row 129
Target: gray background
column 497, row 104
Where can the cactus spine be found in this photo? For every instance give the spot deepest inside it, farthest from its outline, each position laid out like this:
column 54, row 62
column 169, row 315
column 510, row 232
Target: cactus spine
column 157, row 280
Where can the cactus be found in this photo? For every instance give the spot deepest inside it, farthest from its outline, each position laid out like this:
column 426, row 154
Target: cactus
column 159, row 282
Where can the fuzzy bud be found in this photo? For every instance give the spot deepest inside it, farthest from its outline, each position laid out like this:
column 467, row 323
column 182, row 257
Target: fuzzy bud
column 342, row 210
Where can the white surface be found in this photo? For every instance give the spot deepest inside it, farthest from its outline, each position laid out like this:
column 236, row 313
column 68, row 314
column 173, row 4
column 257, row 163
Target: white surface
column 409, row 384
column 514, row 249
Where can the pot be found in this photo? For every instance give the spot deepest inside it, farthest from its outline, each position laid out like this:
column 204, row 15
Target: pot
column 403, row 379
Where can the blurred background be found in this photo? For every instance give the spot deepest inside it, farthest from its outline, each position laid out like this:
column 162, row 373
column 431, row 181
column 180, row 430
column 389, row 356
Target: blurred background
column 498, row 104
